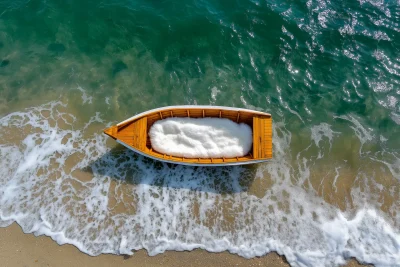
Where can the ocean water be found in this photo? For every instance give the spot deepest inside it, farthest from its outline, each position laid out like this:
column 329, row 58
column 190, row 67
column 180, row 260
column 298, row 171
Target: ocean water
column 327, row 71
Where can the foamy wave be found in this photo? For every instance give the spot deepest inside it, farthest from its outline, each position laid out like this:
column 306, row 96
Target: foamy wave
column 59, row 179
column 321, row 130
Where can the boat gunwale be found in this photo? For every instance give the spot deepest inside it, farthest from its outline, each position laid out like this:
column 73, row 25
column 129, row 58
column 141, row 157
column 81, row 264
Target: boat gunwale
column 137, row 116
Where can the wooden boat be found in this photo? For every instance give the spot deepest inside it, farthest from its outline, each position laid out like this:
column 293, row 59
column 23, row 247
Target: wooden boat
column 133, row 133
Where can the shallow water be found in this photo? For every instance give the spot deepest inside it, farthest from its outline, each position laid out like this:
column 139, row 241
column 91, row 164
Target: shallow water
column 327, row 71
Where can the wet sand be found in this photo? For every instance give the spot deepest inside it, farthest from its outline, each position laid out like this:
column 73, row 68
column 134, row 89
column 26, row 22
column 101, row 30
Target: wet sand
column 19, row 249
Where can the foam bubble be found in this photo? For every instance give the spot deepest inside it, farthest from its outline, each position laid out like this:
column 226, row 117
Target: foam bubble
column 395, row 117
column 353, row 237
column 85, row 98
column 214, row 93
column 320, row 131
column 364, row 134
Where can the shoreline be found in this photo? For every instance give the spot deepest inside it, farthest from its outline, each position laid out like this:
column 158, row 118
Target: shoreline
column 19, row 249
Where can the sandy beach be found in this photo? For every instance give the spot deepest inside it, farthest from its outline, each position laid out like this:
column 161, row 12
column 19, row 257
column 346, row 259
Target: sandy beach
column 18, row 249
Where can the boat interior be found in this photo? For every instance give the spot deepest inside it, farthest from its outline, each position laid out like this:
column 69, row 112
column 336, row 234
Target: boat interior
column 135, row 133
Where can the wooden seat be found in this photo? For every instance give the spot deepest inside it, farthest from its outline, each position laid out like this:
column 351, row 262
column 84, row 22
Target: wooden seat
column 262, row 137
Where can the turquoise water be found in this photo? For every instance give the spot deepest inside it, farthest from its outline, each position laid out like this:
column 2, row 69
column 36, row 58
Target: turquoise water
column 327, row 71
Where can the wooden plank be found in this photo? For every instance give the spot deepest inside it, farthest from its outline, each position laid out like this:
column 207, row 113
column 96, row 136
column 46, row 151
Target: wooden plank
column 268, row 138
column 262, row 137
column 261, row 131
column 196, row 160
column 143, row 133
column 255, row 137
column 135, row 134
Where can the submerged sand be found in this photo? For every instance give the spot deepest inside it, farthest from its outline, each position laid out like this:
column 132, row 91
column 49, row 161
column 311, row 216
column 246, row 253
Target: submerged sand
column 278, row 200
column 19, row 249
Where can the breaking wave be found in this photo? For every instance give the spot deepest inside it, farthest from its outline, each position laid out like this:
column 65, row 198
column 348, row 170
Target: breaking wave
column 61, row 179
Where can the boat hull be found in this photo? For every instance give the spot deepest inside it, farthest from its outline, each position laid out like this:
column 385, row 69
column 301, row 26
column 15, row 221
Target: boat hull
column 133, row 133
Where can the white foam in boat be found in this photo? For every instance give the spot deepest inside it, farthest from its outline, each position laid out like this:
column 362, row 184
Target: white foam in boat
column 201, row 138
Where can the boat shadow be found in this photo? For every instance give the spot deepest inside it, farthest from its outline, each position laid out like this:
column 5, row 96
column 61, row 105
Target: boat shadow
column 126, row 166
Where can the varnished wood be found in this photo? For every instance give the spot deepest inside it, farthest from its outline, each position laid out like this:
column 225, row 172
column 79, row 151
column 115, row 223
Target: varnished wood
column 135, row 133
column 262, row 137
column 112, row 131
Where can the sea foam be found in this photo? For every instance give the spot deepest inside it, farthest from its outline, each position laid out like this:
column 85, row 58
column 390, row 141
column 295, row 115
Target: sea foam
column 63, row 181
